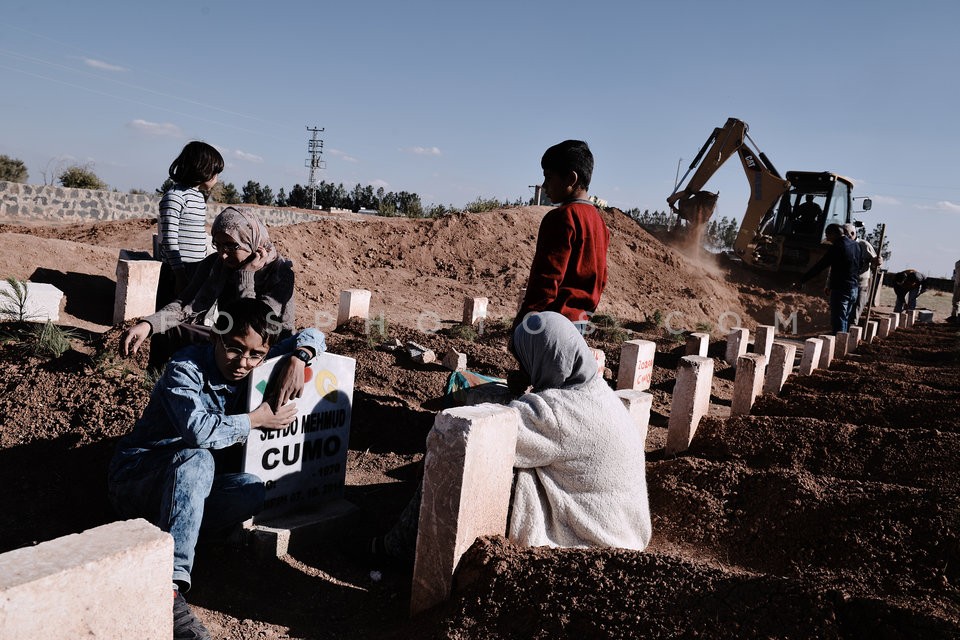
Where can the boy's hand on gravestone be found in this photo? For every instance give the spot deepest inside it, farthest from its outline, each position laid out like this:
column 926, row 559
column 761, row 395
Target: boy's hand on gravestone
column 264, row 417
column 289, row 384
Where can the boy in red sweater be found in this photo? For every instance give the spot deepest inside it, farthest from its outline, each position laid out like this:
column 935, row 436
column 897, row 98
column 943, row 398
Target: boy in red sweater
column 569, row 269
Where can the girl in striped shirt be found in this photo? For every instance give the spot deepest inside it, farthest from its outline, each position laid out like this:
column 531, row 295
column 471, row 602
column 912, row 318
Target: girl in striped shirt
column 183, row 217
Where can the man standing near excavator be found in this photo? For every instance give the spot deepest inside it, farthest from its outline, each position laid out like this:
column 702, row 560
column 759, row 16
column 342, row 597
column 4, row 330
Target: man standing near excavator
column 844, row 258
column 866, row 270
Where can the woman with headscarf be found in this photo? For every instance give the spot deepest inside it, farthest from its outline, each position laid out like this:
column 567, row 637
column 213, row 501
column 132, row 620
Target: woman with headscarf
column 580, row 475
column 245, row 264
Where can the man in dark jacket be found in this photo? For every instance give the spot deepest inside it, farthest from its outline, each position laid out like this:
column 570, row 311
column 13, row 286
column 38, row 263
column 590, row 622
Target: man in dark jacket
column 844, row 257
column 907, row 285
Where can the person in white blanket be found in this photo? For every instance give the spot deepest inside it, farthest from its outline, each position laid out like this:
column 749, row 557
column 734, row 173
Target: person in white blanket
column 580, row 476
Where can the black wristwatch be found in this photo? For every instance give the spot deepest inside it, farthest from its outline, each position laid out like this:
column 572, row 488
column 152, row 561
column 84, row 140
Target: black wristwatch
column 302, row 354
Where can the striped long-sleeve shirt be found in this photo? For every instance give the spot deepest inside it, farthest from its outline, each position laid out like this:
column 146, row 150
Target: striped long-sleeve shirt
column 182, row 226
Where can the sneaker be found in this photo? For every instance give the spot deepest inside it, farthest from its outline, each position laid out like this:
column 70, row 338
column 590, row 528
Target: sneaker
column 186, row 626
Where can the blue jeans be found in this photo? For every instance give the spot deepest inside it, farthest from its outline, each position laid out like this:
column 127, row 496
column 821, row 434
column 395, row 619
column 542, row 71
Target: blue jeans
column 180, row 492
column 910, row 297
column 841, row 303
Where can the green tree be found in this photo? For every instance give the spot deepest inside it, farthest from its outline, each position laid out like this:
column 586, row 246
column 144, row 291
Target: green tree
column 81, row 177
column 251, row 193
column 298, row 197
column 12, row 170
column 281, row 199
column 265, row 195
column 228, row 194
column 874, row 237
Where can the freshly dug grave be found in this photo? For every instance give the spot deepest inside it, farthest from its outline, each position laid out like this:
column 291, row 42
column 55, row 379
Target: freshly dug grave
column 838, row 520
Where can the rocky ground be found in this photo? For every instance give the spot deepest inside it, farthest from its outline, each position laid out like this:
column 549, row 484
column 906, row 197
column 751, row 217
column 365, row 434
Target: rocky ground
column 830, row 512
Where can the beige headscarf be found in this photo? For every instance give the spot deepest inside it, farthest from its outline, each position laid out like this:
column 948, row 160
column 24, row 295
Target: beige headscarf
column 248, row 231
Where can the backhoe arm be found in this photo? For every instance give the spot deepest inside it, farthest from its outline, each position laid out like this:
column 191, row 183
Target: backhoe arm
column 722, row 143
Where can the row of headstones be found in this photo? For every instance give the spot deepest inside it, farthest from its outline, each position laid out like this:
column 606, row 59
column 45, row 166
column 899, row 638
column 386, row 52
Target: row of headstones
column 764, row 371
column 468, row 466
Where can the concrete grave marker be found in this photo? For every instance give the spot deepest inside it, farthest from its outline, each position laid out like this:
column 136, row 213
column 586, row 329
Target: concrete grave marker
column 304, row 464
column 883, row 327
column 811, row 355
column 748, row 382
column 467, row 475
column 763, row 341
column 636, row 364
column 41, row 302
column 109, row 582
column 691, row 401
column 638, row 405
column 782, row 356
column 137, row 279
column 855, row 336
column 826, row 352
column 698, row 344
column 841, row 346
column 474, row 310
column 871, row 332
column 354, row 303
column 736, row 344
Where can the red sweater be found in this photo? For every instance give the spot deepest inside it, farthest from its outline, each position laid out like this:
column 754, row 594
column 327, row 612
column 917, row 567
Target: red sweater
column 569, row 269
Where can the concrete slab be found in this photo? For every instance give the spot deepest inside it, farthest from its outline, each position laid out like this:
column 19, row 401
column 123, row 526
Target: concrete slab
column 826, row 352
column 290, row 533
column 113, row 581
column 763, row 341
column 474, row 310
column 138, row 277
column 39, row 302
column 467, row 476
column 782, row 357
column 354, row 303
column 737, row 341
column 638, row 404
column 698, row 344
column 636, row 364
column 691, row 401
column 811, row 355
column 748, row 382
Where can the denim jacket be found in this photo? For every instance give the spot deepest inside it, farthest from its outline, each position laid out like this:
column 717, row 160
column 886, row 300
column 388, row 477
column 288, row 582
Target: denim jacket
column 193, row 406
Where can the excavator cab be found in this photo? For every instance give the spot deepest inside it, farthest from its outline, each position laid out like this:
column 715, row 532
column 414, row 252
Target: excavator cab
column 792, row 237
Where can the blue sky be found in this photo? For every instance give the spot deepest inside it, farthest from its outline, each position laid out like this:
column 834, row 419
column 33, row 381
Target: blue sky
column 456, row 100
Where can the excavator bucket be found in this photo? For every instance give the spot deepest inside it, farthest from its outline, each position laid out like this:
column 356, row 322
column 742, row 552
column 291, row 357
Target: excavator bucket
column 698, row 208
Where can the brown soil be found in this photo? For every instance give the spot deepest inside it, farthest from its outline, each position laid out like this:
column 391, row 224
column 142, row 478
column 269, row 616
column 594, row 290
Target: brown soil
column 830, row 512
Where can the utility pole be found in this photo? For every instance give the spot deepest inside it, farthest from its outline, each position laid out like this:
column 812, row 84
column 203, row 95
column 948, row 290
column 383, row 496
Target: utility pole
column 315, row 162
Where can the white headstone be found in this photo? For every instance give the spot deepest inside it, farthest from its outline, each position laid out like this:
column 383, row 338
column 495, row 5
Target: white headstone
column 306, row 463
column 40, row 302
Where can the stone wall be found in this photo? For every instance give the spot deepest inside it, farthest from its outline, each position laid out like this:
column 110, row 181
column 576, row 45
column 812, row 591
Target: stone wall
column 29, row 203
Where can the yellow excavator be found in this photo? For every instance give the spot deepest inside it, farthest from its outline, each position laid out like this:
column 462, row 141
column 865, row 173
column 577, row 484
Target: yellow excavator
column 783, row 226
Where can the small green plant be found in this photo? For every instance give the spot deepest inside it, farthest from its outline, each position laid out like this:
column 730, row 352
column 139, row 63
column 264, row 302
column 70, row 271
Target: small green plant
column 150, row 377
column 463, row 332
column 13, row 301
column 608, row 328
column 704, row 327
column 48, row 339
column 657, row 318
column 377, row 330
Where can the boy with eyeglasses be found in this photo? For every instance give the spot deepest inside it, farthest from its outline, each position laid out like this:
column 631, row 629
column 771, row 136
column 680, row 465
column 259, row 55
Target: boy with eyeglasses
column 174, row 468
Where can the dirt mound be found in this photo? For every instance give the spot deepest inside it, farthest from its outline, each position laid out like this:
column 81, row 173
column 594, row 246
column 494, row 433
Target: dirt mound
column 420, row 270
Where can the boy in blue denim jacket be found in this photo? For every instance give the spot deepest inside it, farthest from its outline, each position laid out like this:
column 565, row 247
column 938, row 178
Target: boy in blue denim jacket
column 166, row 469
